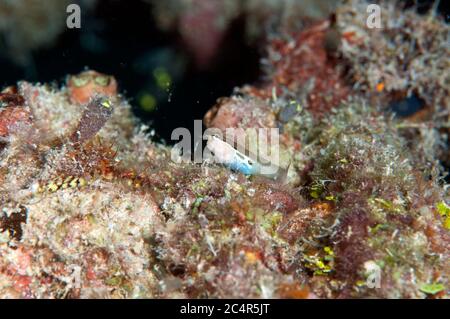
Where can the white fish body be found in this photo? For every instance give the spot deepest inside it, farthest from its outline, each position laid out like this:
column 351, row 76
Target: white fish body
column 227, row 155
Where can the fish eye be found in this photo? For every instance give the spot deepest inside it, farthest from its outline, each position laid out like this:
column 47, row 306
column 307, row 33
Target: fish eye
column 102, row 80
column 249, row 163
column 80, row 81
column 215, row 136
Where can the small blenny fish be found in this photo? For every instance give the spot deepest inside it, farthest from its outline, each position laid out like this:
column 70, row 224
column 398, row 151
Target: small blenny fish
column 227, row 155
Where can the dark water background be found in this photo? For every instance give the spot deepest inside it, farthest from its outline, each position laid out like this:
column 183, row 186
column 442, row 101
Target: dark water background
column 120, row 38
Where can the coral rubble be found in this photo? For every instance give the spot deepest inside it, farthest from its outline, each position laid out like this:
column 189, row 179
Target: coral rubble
column 91, row 207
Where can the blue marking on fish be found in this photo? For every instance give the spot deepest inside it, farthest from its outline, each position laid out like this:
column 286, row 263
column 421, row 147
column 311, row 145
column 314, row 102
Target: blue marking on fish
column 230, row 157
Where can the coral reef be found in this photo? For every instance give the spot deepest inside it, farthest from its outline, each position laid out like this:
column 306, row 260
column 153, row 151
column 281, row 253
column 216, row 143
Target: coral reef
column 91, row 207
column 408, row 54
column 407, row 57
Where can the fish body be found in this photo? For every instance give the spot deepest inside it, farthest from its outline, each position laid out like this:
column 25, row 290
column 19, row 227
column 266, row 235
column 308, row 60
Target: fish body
column 235, row 160
column 243, row 164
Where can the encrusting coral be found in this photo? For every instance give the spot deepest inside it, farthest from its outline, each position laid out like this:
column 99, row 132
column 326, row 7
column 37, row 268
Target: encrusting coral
column 91, row 207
